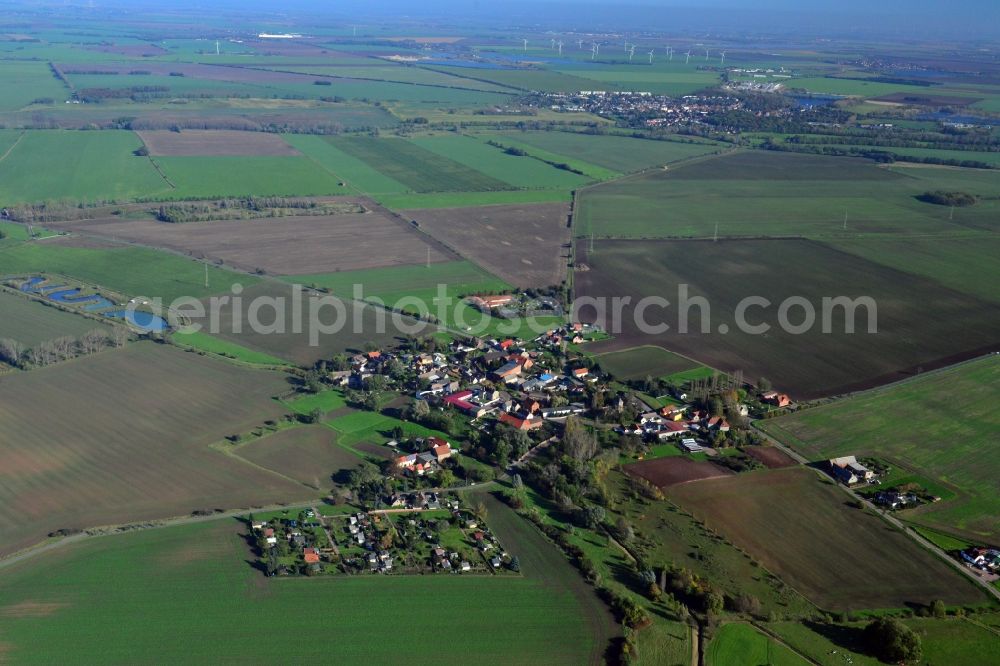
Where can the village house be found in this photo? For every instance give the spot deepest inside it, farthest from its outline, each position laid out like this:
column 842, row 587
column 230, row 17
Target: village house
column 776, row 399
column 849, row 471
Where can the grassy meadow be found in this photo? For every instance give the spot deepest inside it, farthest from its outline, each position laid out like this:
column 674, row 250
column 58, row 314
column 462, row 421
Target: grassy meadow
column 645, row 361
column 30, row 322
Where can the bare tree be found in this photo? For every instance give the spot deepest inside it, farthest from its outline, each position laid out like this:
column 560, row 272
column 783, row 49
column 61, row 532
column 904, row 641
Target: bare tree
column 94, row 341
column 11, row 351
column 119, row 336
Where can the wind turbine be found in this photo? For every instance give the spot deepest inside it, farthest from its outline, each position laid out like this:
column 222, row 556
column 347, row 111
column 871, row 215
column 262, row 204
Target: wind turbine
column 706, row 54
column 722, row 60
column 579, row 44
column 631, row 52
column 216, row 47
column 525, row 45
column 595, row 49
column 687, row 57
column 552, row 43
column 670, row 53
column 650, row 57
column 560, row 45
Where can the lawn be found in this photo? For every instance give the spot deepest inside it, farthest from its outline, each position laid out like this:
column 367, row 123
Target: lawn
column 324, row 401
column 49, row 607
column 803, row 530
column 141, row 419
column 942, row 425
column 645, row 361
column 419, row 169
column 131, row 271
column 30, row 322
column 739, row 644
column 760, row 193
column 78, row 166
column 622, row 154
column 806, row 362
column 516, row 171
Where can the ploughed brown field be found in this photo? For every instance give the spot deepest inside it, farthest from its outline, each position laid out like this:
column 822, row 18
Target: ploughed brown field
column 194, row 142
column 281, row 245
column 309, row 455
column 770, row 456
column 523, row 244
column 674, row 470
column 266, row 322
column 124, row 435
column 802, row 528
column 920, row 323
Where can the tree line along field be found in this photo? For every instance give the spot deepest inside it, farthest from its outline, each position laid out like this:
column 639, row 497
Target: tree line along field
column 194, row 580
column 761, row 193
column 30, row 322
column 941, row 426
column 839, row 557
column 141, row 419
column 808, row 364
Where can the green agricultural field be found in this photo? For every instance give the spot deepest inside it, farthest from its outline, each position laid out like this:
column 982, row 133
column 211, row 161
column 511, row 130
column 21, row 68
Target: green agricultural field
column 620, row 154
column 418, row 168
column 467, row 199
column 357, row 428
column 25, row 83
column 529, row 79
column 803, row 530
column 362, row 69
column 739, row 644
column 206, row 342
column 942, row 425
column 807, row 362
column 759, row 193
column 539, row 617
column 347, row 168
column 216, row 177
column 970, row 265
column 30, row 322
column 131, row 271
column 142, row 419
column 77, row 166
column 662, row 78
column 520, row 172
column 645, row 361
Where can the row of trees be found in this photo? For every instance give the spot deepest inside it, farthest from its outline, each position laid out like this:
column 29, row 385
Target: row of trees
column 60, row 349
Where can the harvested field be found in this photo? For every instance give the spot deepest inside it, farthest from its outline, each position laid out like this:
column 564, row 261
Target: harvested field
column 522, row 244
column 803, row 530
column 772, row 457
column 282, row 245
column 805, row 364
column 214, row 142
column 30, row 322
column 267, row 323
column 675, row 470
column 123, row 436
column 309, row 455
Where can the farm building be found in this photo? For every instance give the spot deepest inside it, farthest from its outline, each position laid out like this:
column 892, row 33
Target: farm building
column 849, row 471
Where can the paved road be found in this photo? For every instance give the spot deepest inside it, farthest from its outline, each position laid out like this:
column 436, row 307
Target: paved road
column 892, row 520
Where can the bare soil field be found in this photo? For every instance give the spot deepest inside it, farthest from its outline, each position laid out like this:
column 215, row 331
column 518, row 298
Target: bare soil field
column 309, row 455
column 214, row 142
column 522, row 244
column 273, row 331
column 802, row 529
column 920, row 324
column 123, row 436
column 281, row 245
column 772, row 457
column 674, row 470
